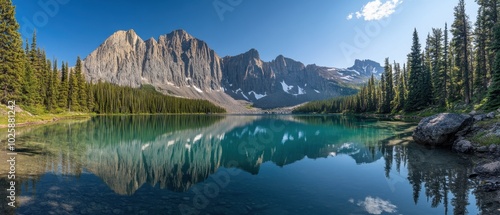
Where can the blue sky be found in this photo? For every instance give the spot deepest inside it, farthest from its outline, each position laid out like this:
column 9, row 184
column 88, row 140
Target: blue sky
column 317, row 31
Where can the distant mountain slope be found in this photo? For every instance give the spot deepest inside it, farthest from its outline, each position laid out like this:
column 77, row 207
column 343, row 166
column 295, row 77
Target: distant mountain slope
column 178, row 64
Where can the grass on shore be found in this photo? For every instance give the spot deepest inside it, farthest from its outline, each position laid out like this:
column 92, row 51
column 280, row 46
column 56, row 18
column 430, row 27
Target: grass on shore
column 23, row 117
column 484, row 138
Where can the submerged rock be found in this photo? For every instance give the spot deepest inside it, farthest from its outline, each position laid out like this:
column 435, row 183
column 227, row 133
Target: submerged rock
column 442, row 129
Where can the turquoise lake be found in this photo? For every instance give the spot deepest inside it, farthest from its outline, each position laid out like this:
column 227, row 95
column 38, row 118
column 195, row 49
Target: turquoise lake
column 211, row 164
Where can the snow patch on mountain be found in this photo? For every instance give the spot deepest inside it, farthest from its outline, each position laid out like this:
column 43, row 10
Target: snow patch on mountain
column 198, row 89
column 244, row 96
column 286, row 87
column 301, row 91
column 257, row 96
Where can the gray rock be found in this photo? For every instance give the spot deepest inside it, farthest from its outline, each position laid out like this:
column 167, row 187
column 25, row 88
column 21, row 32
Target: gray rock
column 493, row 131
column 480, row 117
column 441, row 129
column 463, row 146
column 491, row 115
column 492, row 148
column 473, row 113
column 483, row 149
column 489, row 186
column 488, row 169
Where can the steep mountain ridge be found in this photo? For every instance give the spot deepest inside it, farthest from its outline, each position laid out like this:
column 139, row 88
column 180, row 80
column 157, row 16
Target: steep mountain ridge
column 181, row 65
column 281, row 82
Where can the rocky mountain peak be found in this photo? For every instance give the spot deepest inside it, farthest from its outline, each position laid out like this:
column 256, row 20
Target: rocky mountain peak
column 122, row 37
column 252, row 54
column 367, row 67
column 181, row 35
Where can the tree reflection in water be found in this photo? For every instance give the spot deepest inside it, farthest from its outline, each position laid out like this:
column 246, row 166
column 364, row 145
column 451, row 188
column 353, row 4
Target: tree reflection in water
column 177, row 152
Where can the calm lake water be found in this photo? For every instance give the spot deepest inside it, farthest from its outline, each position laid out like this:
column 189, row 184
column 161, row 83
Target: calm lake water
column 236, row 165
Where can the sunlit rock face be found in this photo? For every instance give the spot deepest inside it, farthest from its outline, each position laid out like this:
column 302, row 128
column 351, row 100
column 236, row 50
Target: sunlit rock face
column 176, row 59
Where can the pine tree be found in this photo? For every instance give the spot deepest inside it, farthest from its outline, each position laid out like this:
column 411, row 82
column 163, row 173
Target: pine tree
column 91, row 99
column 494, row 90
column 53, row 88
column 488, row 18
column 11, row 54
column 401, row 91
column 29, row 91
column 73, row 104
column 62, row 100
column 436, row 65
column 397, row 79
column 446, row 65
column 426, row 84
column 389, row 87
column 481, row 70
column 416, row 92
column 82, row 86
column 381, row 93
column 460, row 30
column 49, row 86
column 371, row 94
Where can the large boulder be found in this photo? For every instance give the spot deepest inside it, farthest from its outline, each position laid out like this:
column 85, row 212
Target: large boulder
column 442, row 129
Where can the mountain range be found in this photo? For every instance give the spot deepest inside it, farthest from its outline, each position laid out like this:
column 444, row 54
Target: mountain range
column 181, row 65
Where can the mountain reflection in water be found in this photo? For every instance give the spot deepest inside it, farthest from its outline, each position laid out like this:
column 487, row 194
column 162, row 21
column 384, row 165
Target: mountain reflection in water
column 179, row 152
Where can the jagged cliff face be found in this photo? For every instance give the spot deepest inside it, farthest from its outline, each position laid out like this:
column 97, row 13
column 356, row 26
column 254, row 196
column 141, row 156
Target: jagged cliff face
column 177, row 64
column 176, row 59
column 281, row 82
column 180, row 65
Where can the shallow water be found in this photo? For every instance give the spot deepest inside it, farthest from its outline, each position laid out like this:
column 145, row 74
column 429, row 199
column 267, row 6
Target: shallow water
column 236, row 165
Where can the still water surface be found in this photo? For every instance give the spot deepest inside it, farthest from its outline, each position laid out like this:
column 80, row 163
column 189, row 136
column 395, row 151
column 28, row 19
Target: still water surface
column 236, row 165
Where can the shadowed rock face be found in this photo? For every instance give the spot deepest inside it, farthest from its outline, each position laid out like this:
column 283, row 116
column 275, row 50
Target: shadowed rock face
column 178, row 64
column 281, row 82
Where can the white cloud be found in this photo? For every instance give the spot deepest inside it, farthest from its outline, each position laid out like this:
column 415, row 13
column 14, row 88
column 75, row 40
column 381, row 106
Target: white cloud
column 349, row 17
column 376, row 10
column 377, row 205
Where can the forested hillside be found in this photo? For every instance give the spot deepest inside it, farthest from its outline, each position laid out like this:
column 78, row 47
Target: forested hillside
column 461, row 71
column 39, row 85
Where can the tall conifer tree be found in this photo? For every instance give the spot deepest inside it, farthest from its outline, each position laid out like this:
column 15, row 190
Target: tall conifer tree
column 12, row 54
column 416, row 93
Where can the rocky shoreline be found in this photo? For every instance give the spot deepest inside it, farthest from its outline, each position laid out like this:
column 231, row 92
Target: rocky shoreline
column 474, row 134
